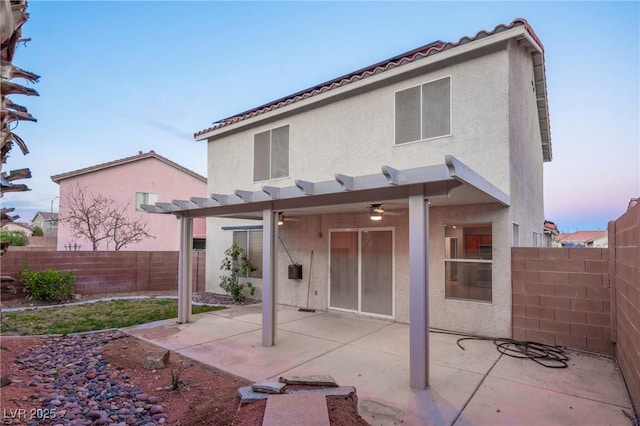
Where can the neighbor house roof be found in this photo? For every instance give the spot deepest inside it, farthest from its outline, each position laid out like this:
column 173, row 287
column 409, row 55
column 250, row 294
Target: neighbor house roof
column 17, row 225
column 581, row 236
column 399, row 61
column 115, row 163
column 550, row 227
column 46, row 216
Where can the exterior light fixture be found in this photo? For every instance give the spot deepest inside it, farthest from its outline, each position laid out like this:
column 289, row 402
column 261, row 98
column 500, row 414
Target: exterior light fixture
column 376, row 211
column 280, row 219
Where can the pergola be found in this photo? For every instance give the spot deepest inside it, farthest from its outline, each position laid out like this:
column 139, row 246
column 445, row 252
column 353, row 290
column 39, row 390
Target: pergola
column 418, row 187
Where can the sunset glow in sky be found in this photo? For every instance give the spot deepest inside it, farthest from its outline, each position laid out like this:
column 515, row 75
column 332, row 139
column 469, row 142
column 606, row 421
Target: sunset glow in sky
column 122, row 77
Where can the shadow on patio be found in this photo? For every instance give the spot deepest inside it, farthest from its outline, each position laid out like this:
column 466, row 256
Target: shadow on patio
column 477, row 385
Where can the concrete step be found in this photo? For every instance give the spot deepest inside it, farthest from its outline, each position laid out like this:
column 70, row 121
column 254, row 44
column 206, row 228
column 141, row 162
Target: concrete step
column 309, row 409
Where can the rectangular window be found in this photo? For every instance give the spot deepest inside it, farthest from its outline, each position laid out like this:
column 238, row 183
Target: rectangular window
column 535, row 239
column 468, row 262
column 145, row 198
column 251, row 242
column 423, row 112
column 516, row 235
column 271, row 154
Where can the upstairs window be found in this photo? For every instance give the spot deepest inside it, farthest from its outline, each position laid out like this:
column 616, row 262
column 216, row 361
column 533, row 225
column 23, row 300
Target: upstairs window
column 423, row 112
column 271, row 154
column 145, row 198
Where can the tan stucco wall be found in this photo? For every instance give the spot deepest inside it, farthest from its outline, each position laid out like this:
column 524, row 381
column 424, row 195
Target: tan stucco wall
column 526, row 171
column 121, row 184
column 355, row 136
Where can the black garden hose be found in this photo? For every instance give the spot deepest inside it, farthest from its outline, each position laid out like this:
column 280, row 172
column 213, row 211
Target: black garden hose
column 546, row 355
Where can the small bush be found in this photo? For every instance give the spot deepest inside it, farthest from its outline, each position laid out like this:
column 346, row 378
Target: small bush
column 237, row 265
column 38, row 232
column 14, row 238
column 48, row 285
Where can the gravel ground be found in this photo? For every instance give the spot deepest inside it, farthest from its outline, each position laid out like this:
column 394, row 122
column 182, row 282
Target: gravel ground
column 78, row 387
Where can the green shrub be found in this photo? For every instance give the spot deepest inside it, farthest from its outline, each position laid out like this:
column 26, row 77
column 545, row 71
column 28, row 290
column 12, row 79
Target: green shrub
column 48, row 285
column 14, row 238
column 38, row 232
column 237, row 265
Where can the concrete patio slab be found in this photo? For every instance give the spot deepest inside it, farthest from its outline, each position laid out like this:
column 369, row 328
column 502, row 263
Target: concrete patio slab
column 392, row 339
column 503, row 402
column 253, row 314
column 337, row 327
column 203, row 328
column 477, row 385
column 591, row 376
column 244, row 356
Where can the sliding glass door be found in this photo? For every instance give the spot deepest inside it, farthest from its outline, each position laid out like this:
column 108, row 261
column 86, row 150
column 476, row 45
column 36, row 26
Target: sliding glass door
column 361, row 271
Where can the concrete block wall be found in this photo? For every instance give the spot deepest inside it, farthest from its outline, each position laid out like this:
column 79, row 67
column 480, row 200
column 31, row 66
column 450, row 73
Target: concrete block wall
column 107, row 271
column 562, row 297
column 624, row 243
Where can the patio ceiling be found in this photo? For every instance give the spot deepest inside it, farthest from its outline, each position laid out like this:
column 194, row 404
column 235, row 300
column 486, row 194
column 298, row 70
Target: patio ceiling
column 449, row 183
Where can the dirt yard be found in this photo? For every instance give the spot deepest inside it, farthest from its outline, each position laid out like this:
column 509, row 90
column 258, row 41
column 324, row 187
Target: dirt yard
column 207, row 396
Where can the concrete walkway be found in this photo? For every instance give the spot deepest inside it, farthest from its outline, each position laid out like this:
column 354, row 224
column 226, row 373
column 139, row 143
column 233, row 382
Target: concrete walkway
column 475, row 386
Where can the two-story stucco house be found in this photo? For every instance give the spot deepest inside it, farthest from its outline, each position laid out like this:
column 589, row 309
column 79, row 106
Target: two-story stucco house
column 133, row 181
column 407, row 181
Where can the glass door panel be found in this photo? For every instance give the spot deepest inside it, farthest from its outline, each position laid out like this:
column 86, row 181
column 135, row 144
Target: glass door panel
column 377, row 272
column 344, row 270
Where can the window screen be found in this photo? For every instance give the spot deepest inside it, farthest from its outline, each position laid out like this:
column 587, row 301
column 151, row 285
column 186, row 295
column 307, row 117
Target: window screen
column 423, row 112
column 261, row 156
column 280, row 152
column 436, row 108
column 271, row 154
column 408, row 115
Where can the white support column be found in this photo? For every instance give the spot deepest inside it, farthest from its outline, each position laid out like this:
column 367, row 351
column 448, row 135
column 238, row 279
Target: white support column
column 184, row 270
column 418, row 289
column 269, row 284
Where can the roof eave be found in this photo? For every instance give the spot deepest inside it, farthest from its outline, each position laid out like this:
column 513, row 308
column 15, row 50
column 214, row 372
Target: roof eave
column 518, row 32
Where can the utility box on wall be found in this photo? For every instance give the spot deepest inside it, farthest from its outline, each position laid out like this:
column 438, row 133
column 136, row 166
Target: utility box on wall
column 295, row 272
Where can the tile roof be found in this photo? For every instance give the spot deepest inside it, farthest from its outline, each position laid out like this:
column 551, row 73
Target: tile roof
column 396, row 61
column 581, row 236
column 141, row 156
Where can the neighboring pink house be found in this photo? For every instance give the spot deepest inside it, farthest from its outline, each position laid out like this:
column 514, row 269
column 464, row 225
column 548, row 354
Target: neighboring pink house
column 145, row 178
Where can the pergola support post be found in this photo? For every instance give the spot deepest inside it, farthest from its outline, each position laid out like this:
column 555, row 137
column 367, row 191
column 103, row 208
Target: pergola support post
column 418, row 289
column 184, row 270
column 269, row 285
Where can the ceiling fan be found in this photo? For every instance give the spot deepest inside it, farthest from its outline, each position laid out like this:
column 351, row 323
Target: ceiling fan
column 282, row 219
column 376, row 211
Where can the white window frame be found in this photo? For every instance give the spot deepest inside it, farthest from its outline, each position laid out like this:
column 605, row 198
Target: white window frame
column 421, row 106
column 258, row 273
column 476, row 261
column 515, row 237
column 253, row 161
column 145, row 201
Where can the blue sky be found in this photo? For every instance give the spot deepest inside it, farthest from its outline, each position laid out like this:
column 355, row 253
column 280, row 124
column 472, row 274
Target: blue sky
column 123, row 77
